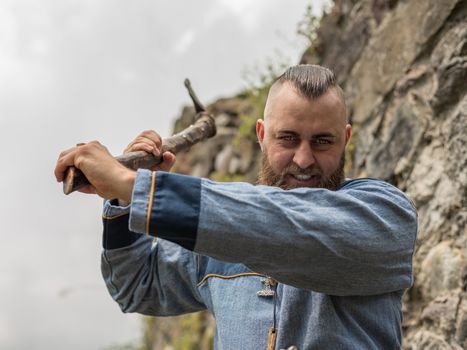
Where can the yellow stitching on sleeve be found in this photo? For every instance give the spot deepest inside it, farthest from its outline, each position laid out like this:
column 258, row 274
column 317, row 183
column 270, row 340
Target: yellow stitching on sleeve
column 228, row 277
column 106, row 217
column 151, row 198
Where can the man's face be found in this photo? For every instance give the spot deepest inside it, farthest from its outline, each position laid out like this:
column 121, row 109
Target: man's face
column 303, row 141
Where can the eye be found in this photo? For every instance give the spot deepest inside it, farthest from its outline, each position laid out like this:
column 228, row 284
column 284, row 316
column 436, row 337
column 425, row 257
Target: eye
column 287, row 138
column 321, row 142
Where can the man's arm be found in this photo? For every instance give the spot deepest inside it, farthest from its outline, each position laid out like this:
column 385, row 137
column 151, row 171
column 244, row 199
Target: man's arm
column 142, row 275
column 155, row 279
column 152, row 278
column 358, row 240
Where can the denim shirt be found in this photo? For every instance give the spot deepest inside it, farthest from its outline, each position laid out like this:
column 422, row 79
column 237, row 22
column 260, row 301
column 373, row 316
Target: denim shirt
column 340, row 259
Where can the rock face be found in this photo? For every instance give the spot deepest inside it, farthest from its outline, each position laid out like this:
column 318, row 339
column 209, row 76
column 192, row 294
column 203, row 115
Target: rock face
column 403, row 66
column 405, row 77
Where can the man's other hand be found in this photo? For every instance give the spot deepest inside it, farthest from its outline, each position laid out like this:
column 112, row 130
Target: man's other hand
column 149, row 141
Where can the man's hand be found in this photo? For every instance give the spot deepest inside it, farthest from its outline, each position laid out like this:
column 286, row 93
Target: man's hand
column 108, row 178
column 150, row 142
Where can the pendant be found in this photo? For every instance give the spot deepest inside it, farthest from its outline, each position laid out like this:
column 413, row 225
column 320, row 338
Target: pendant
column 267, row 290
column 272, row 334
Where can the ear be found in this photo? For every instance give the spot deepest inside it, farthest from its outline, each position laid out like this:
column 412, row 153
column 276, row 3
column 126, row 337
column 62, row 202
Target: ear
column 260, row 132
column 348, row 133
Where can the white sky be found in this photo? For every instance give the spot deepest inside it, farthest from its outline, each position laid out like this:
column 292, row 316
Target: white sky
column 77, row 70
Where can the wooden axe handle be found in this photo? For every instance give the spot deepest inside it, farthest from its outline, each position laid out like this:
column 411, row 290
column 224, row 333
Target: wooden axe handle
column 203, row 128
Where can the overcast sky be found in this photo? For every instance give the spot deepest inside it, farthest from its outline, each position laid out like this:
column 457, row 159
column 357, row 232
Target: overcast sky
column 77, row 70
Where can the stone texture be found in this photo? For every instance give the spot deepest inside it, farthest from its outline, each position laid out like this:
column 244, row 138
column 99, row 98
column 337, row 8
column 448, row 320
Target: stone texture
column 440, row 315
column 461, row 323
column 390, row 52
column 441, row 270
column 350, row 28
column 407, row 99
column 223, row 159
column 401, row 132
column 449, row 58
column 425, row 340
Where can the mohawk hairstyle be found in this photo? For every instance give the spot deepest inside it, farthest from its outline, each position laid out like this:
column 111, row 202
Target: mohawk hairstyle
column 310, row 80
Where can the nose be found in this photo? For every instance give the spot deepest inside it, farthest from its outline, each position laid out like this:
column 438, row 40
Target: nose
column 303, row 156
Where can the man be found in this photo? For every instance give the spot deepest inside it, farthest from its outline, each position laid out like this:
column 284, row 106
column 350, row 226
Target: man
column 305, row 259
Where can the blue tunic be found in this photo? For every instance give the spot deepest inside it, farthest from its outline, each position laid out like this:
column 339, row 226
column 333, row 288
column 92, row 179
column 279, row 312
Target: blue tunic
column 342, row 259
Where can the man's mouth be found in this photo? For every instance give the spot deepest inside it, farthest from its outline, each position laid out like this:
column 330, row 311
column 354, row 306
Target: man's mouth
column 305, row 179
column 302, row 177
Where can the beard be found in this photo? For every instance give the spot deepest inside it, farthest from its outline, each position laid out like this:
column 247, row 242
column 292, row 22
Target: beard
column 268, row 177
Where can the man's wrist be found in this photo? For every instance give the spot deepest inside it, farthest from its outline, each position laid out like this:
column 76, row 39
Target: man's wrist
column 122, row 203
column 126, row 187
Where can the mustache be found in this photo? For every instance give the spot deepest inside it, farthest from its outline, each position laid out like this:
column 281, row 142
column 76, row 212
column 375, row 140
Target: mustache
column 267, row 176
column 294, row 169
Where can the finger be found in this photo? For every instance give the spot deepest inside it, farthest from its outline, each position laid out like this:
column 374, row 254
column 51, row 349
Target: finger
column 147, row 145
column 167, row 162
column 148, row 136
column 65, row 152
column 130, row 146
column 143, row 144
column 140, row 146
column 71, row 157
column 169, row 157
column 153, row 136
column 65, row 160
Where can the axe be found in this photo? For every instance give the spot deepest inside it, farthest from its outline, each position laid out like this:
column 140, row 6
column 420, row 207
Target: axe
column 204, row 127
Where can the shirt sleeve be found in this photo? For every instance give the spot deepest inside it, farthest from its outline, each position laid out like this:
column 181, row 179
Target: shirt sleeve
column 358, row 240
column 152, row 277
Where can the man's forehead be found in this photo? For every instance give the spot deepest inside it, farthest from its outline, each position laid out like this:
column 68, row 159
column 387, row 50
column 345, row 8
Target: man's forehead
column 286, row 105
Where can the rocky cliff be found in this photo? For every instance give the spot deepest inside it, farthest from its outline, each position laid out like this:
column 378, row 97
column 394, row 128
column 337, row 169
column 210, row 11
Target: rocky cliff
column 403, row 66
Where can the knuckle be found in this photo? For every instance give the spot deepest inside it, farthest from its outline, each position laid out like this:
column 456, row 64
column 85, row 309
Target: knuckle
column 151, row 134
column 78, row 161
column 147, row 132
